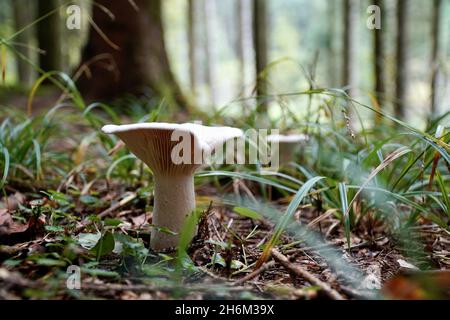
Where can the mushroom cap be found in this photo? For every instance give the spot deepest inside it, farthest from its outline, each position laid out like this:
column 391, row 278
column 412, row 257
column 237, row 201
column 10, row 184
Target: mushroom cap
column 289, row 138
column 153, row 144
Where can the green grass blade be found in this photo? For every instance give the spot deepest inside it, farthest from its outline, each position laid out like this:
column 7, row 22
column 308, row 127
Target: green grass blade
column 116, row 163
column 6, row 168
column 283, row 222
column 345, row 211
column 390, row 158
column 444, row 192
column 38, row 155
column 246, row 176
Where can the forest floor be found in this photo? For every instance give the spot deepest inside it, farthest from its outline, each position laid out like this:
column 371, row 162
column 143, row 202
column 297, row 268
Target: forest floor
column 35, row 254
column 86, row 219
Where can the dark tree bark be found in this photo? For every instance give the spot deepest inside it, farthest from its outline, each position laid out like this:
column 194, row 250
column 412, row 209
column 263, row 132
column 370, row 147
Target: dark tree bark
column 347, row 44
column 435, row 34
column 260, row 38
column 23, row 16
column 401, row 58
column 133, row 57
column 49, row 35
column 378, row 56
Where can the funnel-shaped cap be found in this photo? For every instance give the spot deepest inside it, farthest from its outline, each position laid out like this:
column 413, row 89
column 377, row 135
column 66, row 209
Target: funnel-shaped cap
column 172, row 148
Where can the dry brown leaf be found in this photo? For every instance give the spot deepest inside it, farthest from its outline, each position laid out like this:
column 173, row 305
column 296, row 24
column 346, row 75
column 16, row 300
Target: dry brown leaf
column 140, row 220
column 12, row 202
column 14, row 232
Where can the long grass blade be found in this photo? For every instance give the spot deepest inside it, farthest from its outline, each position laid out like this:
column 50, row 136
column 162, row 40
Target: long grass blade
column 389, row 159
column 444, row 192
column 346, row 216
column 246, row 176
column 38, row 156
column 6, row 167
column 283, row 222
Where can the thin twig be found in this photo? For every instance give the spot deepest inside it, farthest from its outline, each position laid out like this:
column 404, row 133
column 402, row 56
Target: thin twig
column 255, row 273
column 296, row 269
column 119, row 204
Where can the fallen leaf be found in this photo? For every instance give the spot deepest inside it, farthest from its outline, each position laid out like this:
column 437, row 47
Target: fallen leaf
column 7, row 224
column 12, row 201
column 12, row 232
column 406, row 265
column 4, row 216
column 419, row 285
column 140, row 220
column 88, row 240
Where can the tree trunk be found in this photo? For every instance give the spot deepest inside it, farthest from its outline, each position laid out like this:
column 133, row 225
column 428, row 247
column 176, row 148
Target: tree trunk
column 240, row 46
column 23, row 16
column 260, row 38
column 401, row 57
column 130, row 56
column 209, row 15
column 435, row 34
column 192, row 42
column 330, row 48
column 49, row 35
column 347, row 45
column 244, row 51
column 378, row 56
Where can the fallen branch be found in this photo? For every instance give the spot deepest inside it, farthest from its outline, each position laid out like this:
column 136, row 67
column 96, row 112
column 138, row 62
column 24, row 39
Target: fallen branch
column 255, row 273
column 297, row 270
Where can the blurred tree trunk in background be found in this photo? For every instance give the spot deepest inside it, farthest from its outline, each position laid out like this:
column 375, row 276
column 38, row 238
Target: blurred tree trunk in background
column 243, row 44
column 49, row 35
column 330, row 48
column 130, row 56
column 192, row 43
column 240, row 45
column 401, row 57
column 209, row 16
column 23, row 16
column 260, row 38
column 435, row 34
column 347, row 44
column 378, row 56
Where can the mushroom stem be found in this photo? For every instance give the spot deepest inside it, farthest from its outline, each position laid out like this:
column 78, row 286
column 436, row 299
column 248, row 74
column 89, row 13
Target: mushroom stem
column 174, row 202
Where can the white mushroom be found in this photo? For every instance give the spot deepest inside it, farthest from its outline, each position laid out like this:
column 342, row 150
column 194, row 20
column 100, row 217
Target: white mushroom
column 287, row 145
column 173, row 152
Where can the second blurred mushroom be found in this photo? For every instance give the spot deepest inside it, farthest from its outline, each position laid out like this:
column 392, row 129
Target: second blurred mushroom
column 288, row 145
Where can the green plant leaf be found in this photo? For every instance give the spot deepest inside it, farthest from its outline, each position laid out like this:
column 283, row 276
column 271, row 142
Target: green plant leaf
column 6, row 167
column 248, row 213
column 345, row 211
column 104, row 246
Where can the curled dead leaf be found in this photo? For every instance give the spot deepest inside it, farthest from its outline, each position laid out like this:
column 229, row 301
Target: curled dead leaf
column 13, row 232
